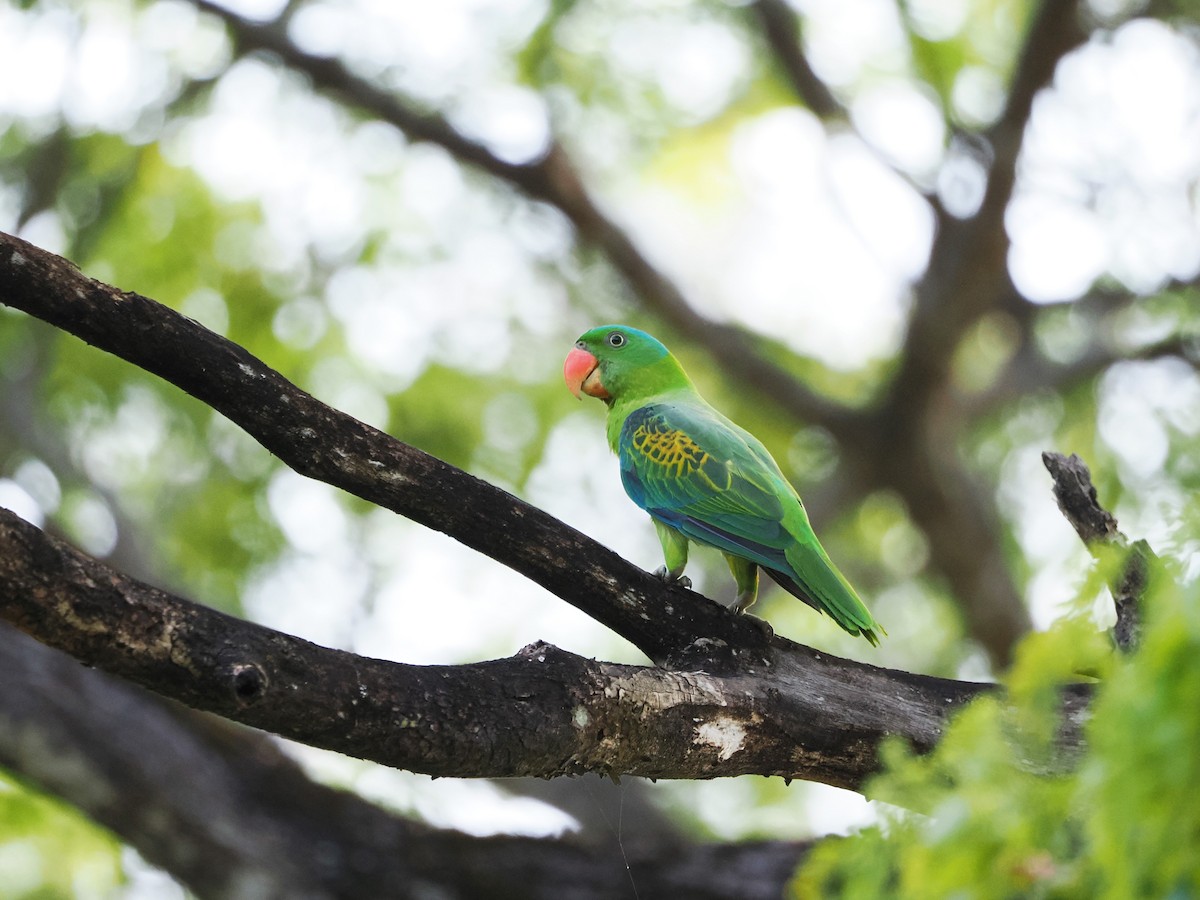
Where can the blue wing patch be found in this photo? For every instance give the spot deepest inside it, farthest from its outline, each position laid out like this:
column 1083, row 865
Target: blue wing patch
column 693, row 472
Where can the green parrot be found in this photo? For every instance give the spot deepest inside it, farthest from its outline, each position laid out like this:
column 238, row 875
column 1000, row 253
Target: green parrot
column 702, row 478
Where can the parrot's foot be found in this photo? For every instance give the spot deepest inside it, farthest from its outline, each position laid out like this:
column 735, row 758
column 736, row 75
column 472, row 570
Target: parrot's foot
column 745, row 600
column 682, row 580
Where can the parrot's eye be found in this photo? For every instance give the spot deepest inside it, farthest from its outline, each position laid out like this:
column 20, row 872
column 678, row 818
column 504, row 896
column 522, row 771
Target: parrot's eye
column 616, row 339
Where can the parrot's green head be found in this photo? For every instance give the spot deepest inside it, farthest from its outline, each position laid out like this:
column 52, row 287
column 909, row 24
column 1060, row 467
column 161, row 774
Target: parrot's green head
column 615, row 361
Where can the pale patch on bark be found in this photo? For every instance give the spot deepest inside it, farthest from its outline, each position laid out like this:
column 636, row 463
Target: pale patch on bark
column 658, row 689
column 726, row 735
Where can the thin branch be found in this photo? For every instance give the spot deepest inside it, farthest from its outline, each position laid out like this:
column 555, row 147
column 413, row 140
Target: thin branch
column 1054, row 31
column 553, row 179
column 1030, row 370
column 1104, row 298
column 130, row 764
column 782, row 28
column 1129, row 565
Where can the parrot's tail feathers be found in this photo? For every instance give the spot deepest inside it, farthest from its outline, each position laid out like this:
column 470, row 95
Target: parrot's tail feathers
column 829, row 592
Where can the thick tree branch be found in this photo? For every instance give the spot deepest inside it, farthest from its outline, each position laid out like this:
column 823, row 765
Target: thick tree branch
column 222, row 808
column 784, row 710
column 149, row 779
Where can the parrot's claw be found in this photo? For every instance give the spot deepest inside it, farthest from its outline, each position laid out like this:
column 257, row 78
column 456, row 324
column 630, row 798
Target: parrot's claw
column 662, row 574
column 745, row 600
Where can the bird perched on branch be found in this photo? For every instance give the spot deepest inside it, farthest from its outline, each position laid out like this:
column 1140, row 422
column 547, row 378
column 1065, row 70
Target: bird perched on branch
column 702, row 478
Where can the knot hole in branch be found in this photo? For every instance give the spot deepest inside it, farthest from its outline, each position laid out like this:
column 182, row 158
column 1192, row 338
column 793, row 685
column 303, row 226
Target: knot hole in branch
column 249, row 683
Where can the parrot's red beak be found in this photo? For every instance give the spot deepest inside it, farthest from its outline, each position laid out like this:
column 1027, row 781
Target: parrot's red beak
column 582, row 374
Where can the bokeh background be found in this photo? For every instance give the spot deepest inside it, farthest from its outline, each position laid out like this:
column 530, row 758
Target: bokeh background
column 909, row 243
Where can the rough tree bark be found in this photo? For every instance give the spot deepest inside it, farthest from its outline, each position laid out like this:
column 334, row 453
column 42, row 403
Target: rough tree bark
column 1129, row 566
column 231, row 816
column 727, row 707
column 725, row 696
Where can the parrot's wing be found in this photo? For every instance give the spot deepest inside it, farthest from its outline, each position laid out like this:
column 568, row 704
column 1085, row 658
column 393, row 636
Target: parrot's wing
column 696, row 471
column 691, row 469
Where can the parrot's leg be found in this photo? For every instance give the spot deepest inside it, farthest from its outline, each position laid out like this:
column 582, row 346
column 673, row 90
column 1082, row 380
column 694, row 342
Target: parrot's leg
column 745, row 574
column 675, row 552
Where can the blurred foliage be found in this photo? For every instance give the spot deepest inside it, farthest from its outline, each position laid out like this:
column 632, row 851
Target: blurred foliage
column 50, row 851
column 163, row 234
column 418, row 294
column 1000, row 818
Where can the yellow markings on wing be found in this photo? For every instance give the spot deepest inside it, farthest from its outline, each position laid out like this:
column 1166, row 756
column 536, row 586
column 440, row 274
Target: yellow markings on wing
column 677, row 455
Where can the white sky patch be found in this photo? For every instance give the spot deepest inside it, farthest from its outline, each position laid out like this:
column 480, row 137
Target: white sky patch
column 316, row 589
column 34, row 62
column 1057, row 251
column 1109, row 163
column 113, row 77
column 978, row 95
column 843, row 37
column 90, row 523
column 308, row 512
column 863, row 186
column 476, row 806
column 46, row 231
column 1137, row 429
column 424, row 581
column 40, row 483
column 512, row 121
column 817, row 239
column 261, row 10
column 700, row 66
column 937, row 20
column 904, row 123
column 315, row 597
column 16, row 499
